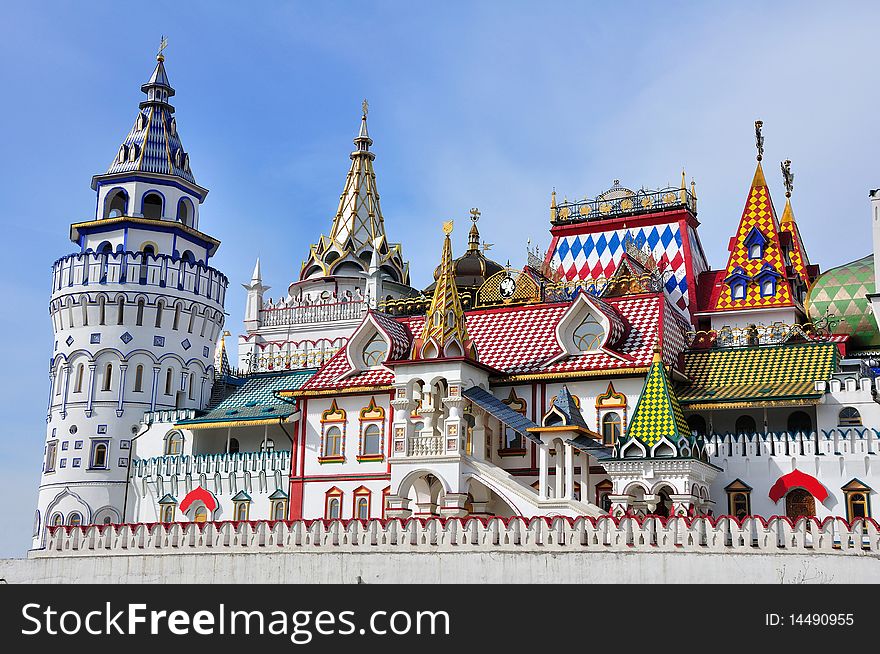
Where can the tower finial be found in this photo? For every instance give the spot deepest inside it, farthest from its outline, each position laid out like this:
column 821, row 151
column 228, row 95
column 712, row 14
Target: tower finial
column 787, row 177
column 163, row 43
column 759, row 139
column 474, row 235
column 365, row 106
column 683, row 181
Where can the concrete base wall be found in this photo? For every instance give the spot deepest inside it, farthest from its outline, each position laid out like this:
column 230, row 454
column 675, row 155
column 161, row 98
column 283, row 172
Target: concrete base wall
column 447, row 567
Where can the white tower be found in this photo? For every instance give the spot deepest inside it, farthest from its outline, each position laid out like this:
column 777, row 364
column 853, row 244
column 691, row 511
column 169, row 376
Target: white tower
column 136, row 312
column 254, row 305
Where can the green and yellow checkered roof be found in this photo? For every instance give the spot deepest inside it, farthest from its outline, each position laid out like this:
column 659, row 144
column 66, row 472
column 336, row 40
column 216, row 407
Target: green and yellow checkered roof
column 770, row 372
column 657, row 413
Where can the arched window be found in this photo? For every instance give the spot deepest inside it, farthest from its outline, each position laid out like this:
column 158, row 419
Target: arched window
column 191, row 382
column 588, row 335
column 375, row 351
column 75, row 519
column 755, row 251
column 234, row 447
column 169, row 381
column 372, row 437
column 78, row 385
column 333, row 508
column 611, row 426
column 201, row 514
column 120, row 311
column 242, row 510
column 184, row 211
column 147, row 252
column 139, row 379
column 268, row 445
column 168, row 513
column 140, row 312
column 799, row 421
column 188, row 256
column 857, row 506
column 108, row 377
column 697, row 425
column 159, row 306
column 176, row 322
column 57, row 520
column 99, row 455
column 363, row 508
column 279, row 511
column 745, row 425
column 739, row 505
column 102, row 310
column 333, row 441
column 849, row 417
column 173, row 443
column 738, row 291
column 152, row 206
column 116, row 203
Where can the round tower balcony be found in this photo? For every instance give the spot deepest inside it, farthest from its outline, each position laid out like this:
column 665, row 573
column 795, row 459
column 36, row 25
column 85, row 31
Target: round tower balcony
column 132, row 271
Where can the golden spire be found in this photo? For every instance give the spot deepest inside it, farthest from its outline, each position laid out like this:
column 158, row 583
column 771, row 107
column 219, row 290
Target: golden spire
column 683, row 192
column 445, row 331
column 553, row 205
column 683, row 182
column 693, row 188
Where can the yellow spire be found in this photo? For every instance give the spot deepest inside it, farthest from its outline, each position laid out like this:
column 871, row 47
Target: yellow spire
column 445, row 331
column 693, row 189
column 553, row 205
column 683, row 182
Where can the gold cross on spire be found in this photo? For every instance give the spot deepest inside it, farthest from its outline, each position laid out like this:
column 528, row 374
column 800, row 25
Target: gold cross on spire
column 759, row 139
column 163, row 43
column 787, row 177
column 365, row 106
column 475, row 214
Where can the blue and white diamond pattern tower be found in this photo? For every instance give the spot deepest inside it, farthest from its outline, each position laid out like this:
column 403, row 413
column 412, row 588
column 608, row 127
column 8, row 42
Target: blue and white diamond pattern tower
column 136, row 311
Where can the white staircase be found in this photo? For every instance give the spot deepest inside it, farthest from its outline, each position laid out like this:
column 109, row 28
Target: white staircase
column 523, row 498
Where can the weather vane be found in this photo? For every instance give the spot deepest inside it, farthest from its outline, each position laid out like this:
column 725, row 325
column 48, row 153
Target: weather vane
column 487, row 246
column 447, row 227
column 163, row 43
column 365, row 106
column 787, row 177
column 759, row 138
column 475, row 214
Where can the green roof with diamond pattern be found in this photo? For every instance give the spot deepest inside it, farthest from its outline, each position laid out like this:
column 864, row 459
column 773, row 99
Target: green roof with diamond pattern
column 657, row 413
column 842, row 292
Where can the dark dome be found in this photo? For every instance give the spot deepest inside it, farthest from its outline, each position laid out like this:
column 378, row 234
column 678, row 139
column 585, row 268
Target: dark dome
column 472, row 268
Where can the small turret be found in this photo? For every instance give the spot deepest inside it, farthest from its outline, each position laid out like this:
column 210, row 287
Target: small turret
column 255, row 290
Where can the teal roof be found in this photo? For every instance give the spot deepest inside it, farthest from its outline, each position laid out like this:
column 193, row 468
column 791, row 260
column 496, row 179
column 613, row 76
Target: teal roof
column 241, row 496
column 278, row 495
column 168, row 498
column 255, row 399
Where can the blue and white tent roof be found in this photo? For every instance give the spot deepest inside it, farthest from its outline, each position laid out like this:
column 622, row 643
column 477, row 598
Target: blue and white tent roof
column 153, row 144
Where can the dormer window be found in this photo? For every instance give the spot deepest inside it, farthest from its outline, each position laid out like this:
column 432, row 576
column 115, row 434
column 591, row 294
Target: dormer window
column 767, row 279
column 375, row 351
column 738, row 290
column 738, row 282
column 756, row 243
column 587, row 336
column 123, row 153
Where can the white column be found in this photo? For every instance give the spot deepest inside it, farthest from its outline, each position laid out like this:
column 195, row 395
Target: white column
column 569, row 472
column 585, row 478
column 92, row 367
column 542, row 472
column 155, row 390
column 229, row 438
column 557, row 483
column 122, row 368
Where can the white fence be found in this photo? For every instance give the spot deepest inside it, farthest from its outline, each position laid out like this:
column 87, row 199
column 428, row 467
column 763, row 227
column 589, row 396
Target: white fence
column 833, row 536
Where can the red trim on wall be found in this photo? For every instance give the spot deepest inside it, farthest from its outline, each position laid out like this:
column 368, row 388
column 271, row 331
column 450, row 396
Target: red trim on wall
column 798, row 479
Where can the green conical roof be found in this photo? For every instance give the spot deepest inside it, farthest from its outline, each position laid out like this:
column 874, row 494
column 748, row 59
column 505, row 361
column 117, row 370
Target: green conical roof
column 843, row 291
column 657, row 413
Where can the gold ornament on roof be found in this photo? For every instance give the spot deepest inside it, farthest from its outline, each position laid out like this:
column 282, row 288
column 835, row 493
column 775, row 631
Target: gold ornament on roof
column 759, row 139
column 447, row 227
column 787, row 177
column 475, row 214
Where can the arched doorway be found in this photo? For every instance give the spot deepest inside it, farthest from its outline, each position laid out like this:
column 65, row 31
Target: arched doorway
column 799, row 503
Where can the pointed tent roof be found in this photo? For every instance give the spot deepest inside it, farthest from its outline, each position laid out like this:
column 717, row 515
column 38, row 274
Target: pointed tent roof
column 657, row 413
column 798, row 256
column 759, row 215
column 445, row 322
column 358, row 224
column 221, row 358
column 565, row 407
column 153, row 145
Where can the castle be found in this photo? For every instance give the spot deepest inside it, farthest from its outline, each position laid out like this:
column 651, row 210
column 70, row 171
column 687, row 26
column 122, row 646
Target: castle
column 616, row 374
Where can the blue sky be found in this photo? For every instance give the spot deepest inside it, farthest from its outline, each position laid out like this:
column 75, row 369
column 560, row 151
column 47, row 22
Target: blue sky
column 487, row 104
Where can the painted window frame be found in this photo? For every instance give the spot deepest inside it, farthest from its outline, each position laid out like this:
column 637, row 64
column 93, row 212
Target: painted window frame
column 93, row 447
column 333, row 417
column 361, row 493
column 334, row 493
column 371, row 416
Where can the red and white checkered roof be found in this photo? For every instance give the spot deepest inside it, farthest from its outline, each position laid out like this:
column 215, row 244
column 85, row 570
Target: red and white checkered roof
column 522, row 340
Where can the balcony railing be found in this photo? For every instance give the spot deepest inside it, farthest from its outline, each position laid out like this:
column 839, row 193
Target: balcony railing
column 311, row 313
column 638, row 202
column 424, row 446
column 138, row 269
